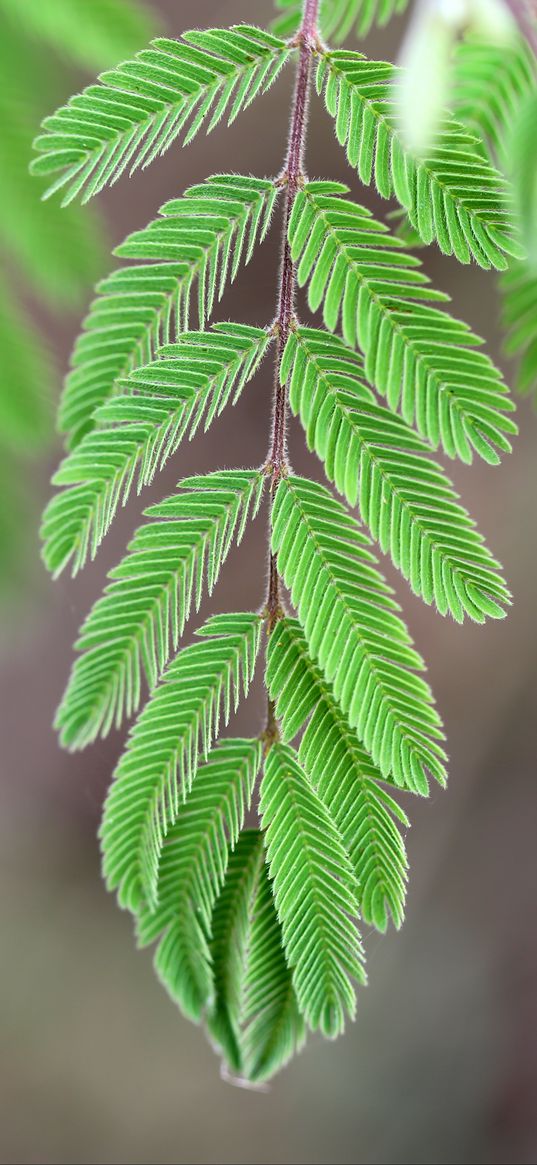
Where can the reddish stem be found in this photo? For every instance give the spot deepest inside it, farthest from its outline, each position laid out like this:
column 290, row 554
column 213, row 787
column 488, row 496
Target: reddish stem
column 293, row 177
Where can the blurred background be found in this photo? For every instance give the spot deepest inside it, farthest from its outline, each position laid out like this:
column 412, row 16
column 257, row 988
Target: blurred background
column 96, row 1065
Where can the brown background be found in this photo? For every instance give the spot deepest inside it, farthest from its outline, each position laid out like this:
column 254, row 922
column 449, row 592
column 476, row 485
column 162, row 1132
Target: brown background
column 440, row 1066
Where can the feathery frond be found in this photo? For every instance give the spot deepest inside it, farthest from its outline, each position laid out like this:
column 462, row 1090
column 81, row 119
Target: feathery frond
column 424, row 361
column 339, row 17
column 355, row 634
column 253, row 1016
column 454, row 195
column 343, row 774
column 376, row 460
column 140, row 428
column 189, row 252
column 133, row 629
column 256, row 931
column 182, row 964
column 314, row 890
column 140, row 108
column 230, row 938
column 199, row 689
column 273, row 1029
column 192, row 871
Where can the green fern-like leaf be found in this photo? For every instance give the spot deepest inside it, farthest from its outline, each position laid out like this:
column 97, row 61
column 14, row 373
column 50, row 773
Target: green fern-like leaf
column 355, row 634
column 140, row 108
column 345, row 778
column 134, row 627
column 192, row 872
column 196, row 245
column 339, row 17
column 253, row 1015
column 230, row 936
column 273, row 1029
column 376, row 459
column 423, row 361
column 454, row 195
column 314, row 891
column 256, row 931
column 140, row 428
column 198, row 690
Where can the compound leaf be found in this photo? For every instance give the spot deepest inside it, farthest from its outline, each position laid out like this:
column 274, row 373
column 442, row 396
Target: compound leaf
column 181, row 720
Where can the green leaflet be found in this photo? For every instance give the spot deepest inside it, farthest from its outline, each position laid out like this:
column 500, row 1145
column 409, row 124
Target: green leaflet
column 355, row 634
column 339, row 17
column 377, row 460
column 139, row 429
column 192, row 871
column 423, row 361
column 132, row 630
column 273, row 1029
column 254, row 1016
column 314, row 892
column 190, row 252
column 199, row 689
column 140, row 108
column 345, row 778
column 231, row 925
column 454, row 196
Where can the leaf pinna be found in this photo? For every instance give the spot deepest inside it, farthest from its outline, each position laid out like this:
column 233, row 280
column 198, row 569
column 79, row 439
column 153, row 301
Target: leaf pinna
column 255, row 863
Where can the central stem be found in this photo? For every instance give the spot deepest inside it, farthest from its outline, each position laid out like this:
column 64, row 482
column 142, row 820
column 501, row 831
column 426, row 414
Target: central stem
column 293, row 177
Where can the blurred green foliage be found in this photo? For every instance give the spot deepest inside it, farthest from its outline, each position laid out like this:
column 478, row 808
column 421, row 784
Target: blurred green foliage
column 49, row 256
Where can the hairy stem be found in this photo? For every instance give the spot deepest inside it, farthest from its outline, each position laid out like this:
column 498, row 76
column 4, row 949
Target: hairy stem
column 292, row 177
